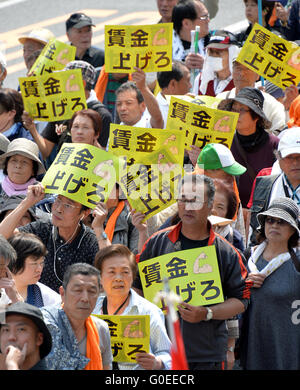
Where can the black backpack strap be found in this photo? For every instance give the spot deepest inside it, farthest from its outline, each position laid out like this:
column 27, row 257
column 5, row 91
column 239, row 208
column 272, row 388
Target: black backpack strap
column 295, row 259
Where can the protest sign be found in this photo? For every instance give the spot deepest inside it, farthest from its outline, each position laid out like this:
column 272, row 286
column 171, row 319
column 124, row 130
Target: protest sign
column 272, row 57
column 201, row 100
column 201, row 124
column 129, row 335
column 83, row 173
column 146, row 47
column 192, row 274
column 54, row 56
column 152, row 165
column 55, row 96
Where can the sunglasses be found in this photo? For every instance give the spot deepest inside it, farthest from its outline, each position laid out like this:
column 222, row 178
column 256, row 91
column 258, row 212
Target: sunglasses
column 278, row 221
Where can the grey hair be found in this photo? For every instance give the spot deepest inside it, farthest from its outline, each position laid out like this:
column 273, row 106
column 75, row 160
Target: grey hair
column 7, row 252
column 80, row 269
column 277, row 154
column 199, row 179
column 130, row 86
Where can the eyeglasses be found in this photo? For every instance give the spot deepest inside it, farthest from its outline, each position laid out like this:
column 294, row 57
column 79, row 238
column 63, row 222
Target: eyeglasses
column 36, row 265
column 280, row 222
column 65, row 206
column 203, row 17
column 292, row 157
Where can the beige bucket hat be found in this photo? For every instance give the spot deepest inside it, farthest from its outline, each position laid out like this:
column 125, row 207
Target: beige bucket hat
column 24, row 147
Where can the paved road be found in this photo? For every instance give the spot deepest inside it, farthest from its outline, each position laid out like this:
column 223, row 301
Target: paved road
column 21, row 16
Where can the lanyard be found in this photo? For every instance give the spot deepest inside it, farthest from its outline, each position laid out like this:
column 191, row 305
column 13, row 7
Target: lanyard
column 294, row 196
column 104, row 305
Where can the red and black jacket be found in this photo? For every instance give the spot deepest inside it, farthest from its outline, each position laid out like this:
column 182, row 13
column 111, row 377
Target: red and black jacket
column 233, row 271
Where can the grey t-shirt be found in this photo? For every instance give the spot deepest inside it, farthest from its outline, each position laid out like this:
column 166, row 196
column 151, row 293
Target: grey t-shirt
column 104, row 338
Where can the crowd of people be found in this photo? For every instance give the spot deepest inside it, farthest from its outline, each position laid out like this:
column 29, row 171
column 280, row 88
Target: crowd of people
column 62, row 264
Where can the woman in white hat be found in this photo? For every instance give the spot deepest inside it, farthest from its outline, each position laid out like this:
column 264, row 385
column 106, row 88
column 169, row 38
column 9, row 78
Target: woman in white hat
column 21, row 166
column 270, row 339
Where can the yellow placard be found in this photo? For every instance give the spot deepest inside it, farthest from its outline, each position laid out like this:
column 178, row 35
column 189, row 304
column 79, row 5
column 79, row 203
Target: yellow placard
column 83, row 173
column 152, row 165
column 55, row 96
column 129, row 335
column 201, row 124
column 192, row 274
column 201, row 100
column 54, row 56
column 272, row 57
column 147, row 47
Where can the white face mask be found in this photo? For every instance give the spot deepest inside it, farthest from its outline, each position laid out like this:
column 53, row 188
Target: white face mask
column 214, row 63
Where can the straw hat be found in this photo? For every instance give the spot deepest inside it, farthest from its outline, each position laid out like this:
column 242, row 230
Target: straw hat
column 283, row 208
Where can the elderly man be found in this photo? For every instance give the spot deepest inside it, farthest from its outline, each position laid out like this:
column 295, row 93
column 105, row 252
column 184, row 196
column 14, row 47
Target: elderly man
column 66, row 238
column 79, row 33
column 205, row 340
column 36, row 40
column 188, row 14
column 285, row 184
column 79, row 341
column 25, row 340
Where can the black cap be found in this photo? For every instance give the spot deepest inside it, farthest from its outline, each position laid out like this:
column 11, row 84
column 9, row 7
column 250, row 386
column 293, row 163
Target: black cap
column 78, row 20
column 252, row 98
column 11, row 203
column 35, row 315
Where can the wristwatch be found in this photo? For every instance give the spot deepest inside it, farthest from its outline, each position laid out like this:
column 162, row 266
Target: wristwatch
column 209, row 314
column 230, row 349
column 103, row 236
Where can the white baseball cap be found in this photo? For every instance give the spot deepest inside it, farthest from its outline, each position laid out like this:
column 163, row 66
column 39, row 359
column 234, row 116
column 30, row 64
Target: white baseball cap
column 41, row 35
column 289, row 142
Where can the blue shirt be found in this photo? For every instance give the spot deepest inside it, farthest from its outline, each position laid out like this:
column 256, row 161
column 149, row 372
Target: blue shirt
column 65, row 353
column 17, row 131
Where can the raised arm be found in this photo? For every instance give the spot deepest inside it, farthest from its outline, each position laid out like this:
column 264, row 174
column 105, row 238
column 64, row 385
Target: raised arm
column 100, row 213
column 45, row 146
column 139, row 78
column 9, row 225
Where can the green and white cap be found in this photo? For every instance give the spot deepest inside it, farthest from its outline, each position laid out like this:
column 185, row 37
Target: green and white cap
column 218, row 156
